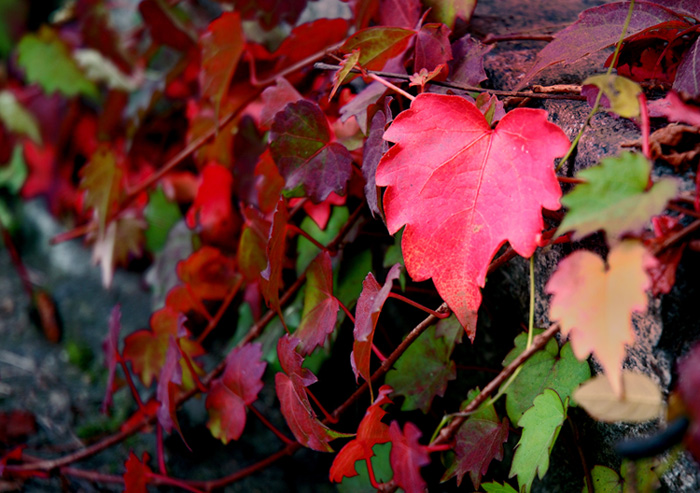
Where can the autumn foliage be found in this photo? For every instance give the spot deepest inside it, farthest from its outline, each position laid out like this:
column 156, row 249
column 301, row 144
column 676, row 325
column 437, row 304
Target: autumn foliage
column 323, row 166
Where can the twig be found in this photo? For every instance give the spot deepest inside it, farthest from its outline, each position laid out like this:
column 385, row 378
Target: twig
column 495, row 38
column 674, row 238
column 460, row 86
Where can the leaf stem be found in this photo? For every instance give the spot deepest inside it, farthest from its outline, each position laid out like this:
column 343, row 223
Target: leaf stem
column 159, row 450
column 213, row 322
column 314, row 241
column 330, row 418
column 596, row 105
column 419, row 306
column 391, row 86
column 345, row 309
column 270, row 426
column 372, row 478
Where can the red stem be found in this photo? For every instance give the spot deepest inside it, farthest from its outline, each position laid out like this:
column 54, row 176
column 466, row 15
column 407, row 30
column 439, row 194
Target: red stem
column 439, row 448
column 345, row 309
column 298, row 230
column 159, row 450
column 222, row 309
column 17, row 262
column 130, row 382
column 645, row 126
column 378, row 353
column 566, row 179
column 272, row 427
column 372, row 478
column 419, row 306
column 168, row 481
column 200, row 386
column 331, row 419
column 198, row 303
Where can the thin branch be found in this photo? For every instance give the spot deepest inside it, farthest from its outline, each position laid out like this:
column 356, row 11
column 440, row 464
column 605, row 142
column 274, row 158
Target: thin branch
column 460, row 86
column 676, row 237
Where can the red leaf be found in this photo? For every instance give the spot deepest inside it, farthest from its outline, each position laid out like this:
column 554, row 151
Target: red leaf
column 307, row 158
column 399, row 13
column 369, row 306
column 269, row 182
column 663, row 272
column 275, row 98
column 150, row 410
column 213, row 209
column 296, row 408
column 320, row 306
column 478, row 442
column 271, row 277
column 137, row 474
column 432, row 47
column 375, row 146
column 146, row 349
column 378, row 45
column 467, row 64
column 222, row 45
column 251, row 254
column 675, row 110
column 687, row 75
column 110, row 346
column 209, row 273
column 595, row 29
column 407, row 457
column 168, row 383
column 370, row 432
column 237, row 388
column 463, row 189
column 164, row 26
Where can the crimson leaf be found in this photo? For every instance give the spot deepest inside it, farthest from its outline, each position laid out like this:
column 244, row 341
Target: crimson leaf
column 407, row 457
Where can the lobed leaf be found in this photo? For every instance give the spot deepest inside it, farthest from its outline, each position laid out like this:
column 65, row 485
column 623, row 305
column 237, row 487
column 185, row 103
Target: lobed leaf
column 378, row 45
column 407, row 457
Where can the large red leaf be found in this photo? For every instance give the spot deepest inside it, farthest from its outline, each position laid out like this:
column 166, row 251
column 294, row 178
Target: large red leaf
column 370, row 432
column 296, row 408
column 407, row 457
column 463, row 189
column 308, row 159
column 222, row 45
column 320, row 306
column 237, row 388
column 369, row 306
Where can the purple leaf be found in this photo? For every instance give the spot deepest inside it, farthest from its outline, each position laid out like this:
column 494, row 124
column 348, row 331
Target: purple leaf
column 688, row 74
column 171, row 374
column 467, row 65
column 432, row 47
column 374, row 148
column 399, row 13
column 307, row 159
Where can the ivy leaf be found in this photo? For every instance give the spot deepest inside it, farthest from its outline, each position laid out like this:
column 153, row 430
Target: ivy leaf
column 498, row 488
column 212, row 209
column 271, row 277
column 320, row 306
column 594, row 302
column 478, row 441
column 407, row 457
column 448, row 11
column 110, row 346
column 222, row 45
column 551, row 368
column 237, row 388
column 346, row 65
column 146, row 349
column 423, row 371
column 450, row 177
column 302, row 148
column 137, row 474
column 375, row 146
column 432, row 47
column 169, row 381
column 596, row 29
column 467, row 65
column 275, row 98
column 642, row 400
column 605, row 480
column 296, row 408
column 399, row 13
column 687, row 77
column 378, row 45
column 101, row 180
column 614, row 198
column 46, row 60
column 209, row 274
column 369, row 306
column 370, row 432
column 541, row 424
column 621, row 93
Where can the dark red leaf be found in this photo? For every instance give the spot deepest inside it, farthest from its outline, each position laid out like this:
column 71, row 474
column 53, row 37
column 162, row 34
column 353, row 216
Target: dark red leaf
column 320, row 306
column 164, row 26
column 237, row 388
column 209, row 273
column 137, row 474
column 270, row 13
column 399, row 13
column 212, row 209
column 369, row 306
column 370, row 432
column 110, row 346
column 688, row 75
column 309, row 161
column 663, row 272
column 15, row 427
column 275, row 98
column 269, row 183
column 407, row 457
column 168, row 383
column 432, row 47
column 467, row 65
column 296, row 408
column 222, row 45
column 271, row 277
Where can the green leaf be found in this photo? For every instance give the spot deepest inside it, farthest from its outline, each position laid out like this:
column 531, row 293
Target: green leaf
column 380, row 466
column 161, row 215
column 541, row 424
column 605, row 480
column 498, row 488
column 447, row 11
column 377, row 45
column 307, row 251
column 620, row 91
column 422, row 372
column 14, row 174
column 614, row 197
column 47, row 61
column 548, row 368
column 16, row 118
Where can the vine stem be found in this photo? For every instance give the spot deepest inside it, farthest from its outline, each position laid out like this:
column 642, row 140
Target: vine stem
column 596, row 105
column 270, row 426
